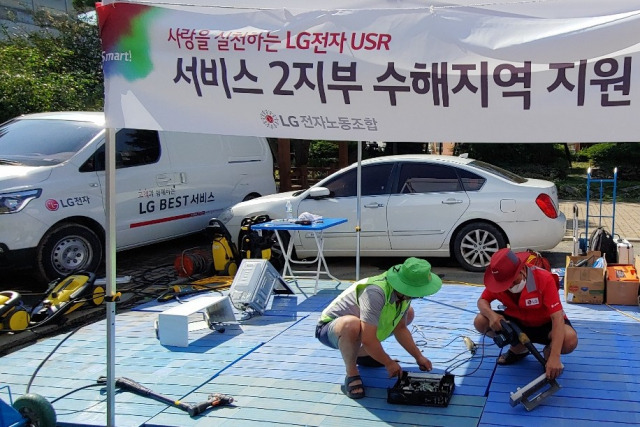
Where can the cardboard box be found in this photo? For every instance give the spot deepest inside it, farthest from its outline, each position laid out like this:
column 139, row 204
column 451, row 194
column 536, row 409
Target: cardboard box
column 622, row 284
column 584, row 285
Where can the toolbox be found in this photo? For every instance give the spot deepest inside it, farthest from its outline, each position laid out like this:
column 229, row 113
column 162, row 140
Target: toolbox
column 425, row 389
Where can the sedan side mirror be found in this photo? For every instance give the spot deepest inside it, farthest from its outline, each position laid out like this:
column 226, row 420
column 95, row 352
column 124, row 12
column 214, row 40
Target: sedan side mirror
column 318, row 192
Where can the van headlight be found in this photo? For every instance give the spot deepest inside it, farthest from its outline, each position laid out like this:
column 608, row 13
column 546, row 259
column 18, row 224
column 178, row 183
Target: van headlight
column 17, row 200
column 226, row 215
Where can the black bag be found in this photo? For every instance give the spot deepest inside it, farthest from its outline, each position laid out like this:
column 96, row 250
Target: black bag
column 602, row 241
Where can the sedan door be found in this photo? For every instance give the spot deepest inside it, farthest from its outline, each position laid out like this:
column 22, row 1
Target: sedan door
column 342, row 203
column 425, row 206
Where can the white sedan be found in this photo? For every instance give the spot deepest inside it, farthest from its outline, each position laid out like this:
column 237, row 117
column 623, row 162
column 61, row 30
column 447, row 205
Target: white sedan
column 421, row 205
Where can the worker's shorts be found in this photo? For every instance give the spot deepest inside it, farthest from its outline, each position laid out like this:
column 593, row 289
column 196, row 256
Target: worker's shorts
column 325, row 332
column 537, row 334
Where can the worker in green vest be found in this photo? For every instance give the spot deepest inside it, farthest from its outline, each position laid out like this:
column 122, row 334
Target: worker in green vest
column 368, row 312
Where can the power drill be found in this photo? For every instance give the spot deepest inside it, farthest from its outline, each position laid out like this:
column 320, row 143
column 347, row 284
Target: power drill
column 507, row 335
column 513, row 335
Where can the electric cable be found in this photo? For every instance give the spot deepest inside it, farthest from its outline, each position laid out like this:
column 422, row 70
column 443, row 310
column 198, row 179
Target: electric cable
column 455, row 361
column 79, row 410
column 75, row 391
column 47, row 358
column 423, row 342
column 455, row 366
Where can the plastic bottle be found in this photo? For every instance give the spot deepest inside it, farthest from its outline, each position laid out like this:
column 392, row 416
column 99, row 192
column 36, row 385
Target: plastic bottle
column 289, row 210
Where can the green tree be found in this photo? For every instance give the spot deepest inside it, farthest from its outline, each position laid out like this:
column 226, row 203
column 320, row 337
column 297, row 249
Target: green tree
column 323, row 153
column 55, row 69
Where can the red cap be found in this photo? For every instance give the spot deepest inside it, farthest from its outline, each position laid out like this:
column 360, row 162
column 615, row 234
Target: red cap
column 503, row 269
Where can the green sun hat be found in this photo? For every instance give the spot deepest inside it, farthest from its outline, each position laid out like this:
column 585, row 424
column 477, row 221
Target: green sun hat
column 414, row 278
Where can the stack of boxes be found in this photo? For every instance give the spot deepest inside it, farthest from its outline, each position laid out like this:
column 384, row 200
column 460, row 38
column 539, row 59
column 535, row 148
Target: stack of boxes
column 615, row 284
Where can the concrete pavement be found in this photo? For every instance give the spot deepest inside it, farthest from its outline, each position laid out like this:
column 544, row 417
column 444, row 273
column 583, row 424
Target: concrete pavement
column 625, row 223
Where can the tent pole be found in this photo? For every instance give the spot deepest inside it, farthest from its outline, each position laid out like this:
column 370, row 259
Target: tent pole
column 358, row 209
column 110, row 261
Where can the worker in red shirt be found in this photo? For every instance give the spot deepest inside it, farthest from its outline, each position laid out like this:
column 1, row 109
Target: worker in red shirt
column 530, row 298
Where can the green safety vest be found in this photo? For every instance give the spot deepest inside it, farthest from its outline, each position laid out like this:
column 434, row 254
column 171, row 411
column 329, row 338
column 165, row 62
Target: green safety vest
column 391, row 312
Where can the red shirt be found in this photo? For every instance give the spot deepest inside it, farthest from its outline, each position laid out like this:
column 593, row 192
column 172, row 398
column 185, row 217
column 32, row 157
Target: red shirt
column 538, row 300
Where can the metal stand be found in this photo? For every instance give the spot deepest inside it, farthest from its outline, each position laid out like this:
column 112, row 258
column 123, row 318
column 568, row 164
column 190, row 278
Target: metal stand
column 600, row 216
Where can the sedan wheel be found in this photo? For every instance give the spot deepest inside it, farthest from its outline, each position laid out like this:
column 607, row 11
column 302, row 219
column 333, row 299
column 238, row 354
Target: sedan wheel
column 474, row 245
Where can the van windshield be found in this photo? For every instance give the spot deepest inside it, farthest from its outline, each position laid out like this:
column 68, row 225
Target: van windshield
column 41, row 142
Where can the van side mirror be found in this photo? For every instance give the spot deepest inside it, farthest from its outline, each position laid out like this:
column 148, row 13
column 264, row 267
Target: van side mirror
column 318, row 192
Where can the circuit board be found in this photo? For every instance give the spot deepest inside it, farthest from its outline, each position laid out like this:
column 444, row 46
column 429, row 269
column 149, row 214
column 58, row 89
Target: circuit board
column 422, row 389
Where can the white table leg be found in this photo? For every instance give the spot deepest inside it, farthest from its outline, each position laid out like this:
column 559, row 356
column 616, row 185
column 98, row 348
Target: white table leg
column 321, row 268
column 320, row 246
column 322, row 262
column 286, row 270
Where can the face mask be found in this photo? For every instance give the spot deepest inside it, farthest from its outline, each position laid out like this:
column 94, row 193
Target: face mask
column 518, row 287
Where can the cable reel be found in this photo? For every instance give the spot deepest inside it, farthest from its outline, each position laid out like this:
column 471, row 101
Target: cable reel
column 191, row 262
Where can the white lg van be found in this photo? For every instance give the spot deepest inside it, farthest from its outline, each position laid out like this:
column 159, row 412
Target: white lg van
column 168, row 184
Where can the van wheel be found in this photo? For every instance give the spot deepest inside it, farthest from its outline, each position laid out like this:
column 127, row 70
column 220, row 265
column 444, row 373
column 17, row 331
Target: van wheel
column 67, row 248
column 474, row 245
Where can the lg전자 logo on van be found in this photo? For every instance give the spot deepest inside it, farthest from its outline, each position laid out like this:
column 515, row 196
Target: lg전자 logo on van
column 52, row 205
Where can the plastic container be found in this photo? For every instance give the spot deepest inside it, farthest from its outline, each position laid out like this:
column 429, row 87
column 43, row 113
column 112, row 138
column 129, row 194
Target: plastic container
column 288, row 210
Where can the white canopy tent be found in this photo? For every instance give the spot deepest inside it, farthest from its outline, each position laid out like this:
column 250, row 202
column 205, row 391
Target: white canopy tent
column 396, row 70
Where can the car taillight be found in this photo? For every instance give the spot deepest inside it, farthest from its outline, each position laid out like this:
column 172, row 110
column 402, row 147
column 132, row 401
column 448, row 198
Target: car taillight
column 546, row 205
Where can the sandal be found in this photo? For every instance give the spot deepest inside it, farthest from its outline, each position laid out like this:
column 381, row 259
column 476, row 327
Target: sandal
column 509, row 358
column 369, row 362
column 350, row 389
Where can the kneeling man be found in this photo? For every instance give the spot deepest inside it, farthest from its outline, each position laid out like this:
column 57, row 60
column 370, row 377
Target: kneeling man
column 531, row 300
column 368, row 312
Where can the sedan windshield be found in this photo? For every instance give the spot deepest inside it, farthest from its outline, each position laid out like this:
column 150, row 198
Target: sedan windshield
column 43, row 142
column 503, row 173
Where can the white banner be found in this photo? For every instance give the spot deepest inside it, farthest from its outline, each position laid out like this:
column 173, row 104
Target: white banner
column 468, row 73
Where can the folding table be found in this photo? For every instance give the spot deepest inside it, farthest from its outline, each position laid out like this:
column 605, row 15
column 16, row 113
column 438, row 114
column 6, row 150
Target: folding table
column 316, row 228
